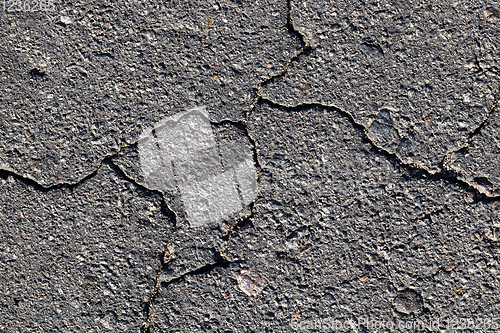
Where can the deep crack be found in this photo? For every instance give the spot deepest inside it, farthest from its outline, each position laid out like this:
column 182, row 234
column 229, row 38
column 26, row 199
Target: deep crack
column 221, row 259
column 4, row 172
column 445, row 171
column 165, row 258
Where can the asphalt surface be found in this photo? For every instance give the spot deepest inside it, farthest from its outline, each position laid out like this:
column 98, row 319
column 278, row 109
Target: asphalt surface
column 362, row 139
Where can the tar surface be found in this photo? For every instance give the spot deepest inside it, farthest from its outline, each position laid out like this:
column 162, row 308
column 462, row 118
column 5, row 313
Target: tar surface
column 249, row 166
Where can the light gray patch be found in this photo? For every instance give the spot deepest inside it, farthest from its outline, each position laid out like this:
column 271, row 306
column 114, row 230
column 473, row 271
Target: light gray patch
column 157, row 173
column 211, row 199
column 246, row 179
column 182, row 152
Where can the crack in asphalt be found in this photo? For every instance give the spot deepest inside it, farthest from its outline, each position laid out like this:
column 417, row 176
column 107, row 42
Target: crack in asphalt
column 475, row 131
column 8, row 171
column 221, row 259
column 167, row 212
column 308, row 45
column 221, row 262
column 446, row 159
column 445, row 174
column 305, row 50
column 445, row 171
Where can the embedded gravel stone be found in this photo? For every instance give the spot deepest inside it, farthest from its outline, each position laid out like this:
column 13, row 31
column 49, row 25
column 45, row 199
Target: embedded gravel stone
column 408, row 301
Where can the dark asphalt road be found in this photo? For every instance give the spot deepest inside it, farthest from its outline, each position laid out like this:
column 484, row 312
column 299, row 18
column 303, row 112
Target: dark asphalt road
column 344, row 178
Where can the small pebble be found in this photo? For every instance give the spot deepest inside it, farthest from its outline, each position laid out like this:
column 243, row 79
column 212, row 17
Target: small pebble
column 150, row 35
column 250, row 281
column 65, row 19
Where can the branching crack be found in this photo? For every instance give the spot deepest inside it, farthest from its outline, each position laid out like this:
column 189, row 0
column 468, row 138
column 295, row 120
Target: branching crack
column 305, row 50
column 446, row 167
column 446, row 172
column 165, row 258
column 221, row 259
column 159, row 284
column 6, row 171
column 308, row 46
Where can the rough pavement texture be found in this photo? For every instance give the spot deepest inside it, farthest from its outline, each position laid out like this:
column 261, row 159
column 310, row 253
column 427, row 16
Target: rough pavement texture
column 194, row 247
column 372, row 126
column 419, row 76
column 340, row 231
column 93, row 84
column 477, row 164
column 79, row 259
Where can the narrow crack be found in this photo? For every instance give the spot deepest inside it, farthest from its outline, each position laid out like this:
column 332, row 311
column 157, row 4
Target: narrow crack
column 486, row 118
column 6, row 171
column 146, row 328
column 165, row 258
column 443, row 175
column 305, row 50
column 445, row 164
column 446, row 172
column 221, row 259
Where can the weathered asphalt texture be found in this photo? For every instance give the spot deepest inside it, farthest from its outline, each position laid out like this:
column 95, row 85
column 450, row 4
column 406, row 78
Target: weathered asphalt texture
column 338, row 230
column 89, row 86
column 418, row 76
column 374, row 127
column 79, row 257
